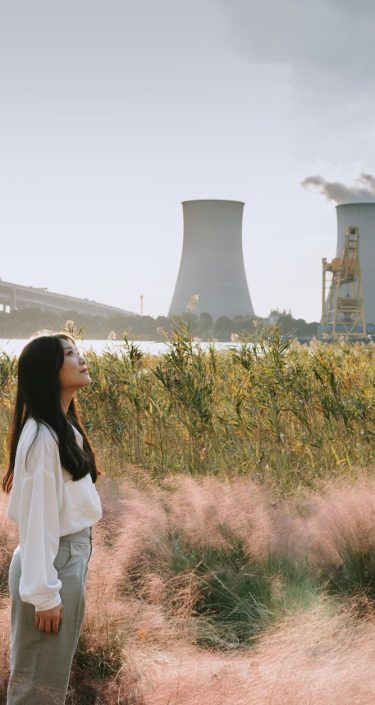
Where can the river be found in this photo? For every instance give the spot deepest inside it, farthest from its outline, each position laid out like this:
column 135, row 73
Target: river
column 15, row 345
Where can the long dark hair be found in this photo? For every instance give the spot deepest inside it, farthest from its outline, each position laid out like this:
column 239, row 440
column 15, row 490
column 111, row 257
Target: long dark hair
column 38, row 396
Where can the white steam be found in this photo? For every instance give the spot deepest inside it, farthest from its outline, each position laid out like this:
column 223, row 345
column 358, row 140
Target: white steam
column 363, row 190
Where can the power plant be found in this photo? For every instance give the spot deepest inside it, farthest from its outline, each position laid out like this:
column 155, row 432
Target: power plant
column 212, row 271
column 361, row 215
column 212, row 276
column 343, row 312
column 348, row 302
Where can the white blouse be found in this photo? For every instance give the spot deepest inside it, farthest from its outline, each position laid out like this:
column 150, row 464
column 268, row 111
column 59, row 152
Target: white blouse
column 46, row 504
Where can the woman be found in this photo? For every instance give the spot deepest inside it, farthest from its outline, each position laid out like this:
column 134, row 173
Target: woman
column 53, row 499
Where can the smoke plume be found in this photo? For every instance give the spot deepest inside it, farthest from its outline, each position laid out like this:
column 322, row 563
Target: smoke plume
column 363, row 190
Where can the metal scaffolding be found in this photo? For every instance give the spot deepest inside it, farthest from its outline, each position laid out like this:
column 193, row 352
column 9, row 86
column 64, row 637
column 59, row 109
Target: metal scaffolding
column 343, row 313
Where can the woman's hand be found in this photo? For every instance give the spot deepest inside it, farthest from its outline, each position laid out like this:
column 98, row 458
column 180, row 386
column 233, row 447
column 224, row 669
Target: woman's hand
column 49, row 620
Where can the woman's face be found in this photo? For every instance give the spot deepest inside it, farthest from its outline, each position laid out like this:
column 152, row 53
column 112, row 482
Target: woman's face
column 73, row 373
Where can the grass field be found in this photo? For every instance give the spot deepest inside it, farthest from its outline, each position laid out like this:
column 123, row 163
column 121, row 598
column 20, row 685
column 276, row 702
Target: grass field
column 235, row 562
column 280, row 413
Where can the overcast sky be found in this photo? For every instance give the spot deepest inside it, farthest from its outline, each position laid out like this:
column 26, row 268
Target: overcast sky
column 113, row 112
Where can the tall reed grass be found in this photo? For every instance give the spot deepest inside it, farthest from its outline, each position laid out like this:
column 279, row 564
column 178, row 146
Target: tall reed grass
column 273, row 410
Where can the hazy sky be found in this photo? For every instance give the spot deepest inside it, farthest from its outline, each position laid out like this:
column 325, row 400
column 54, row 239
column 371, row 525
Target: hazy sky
column 113, row 112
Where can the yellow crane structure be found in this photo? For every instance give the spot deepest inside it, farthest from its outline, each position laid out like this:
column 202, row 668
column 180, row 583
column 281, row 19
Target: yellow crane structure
column 343, row 313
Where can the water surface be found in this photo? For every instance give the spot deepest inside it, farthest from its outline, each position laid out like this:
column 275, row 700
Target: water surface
column 15, row 345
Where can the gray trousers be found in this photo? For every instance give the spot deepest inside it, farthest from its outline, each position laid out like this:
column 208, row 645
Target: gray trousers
column 40, row 663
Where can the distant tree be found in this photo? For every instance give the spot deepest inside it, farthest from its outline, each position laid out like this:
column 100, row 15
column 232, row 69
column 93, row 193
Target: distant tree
column 191, row 319
column 164, row 322
column 205, row 325
column 223, row 328
column 244, row 324
column 25, row 322
column 296, row 327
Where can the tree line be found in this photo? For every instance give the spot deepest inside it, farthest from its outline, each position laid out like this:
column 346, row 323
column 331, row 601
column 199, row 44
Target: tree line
column 24, row 322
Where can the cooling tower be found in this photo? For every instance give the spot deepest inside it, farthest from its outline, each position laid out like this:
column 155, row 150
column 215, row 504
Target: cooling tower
column 212, row 265
column 362, row 215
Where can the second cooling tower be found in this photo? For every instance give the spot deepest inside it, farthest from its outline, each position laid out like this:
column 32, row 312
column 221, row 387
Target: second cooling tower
column 363, row 216
column 212, row 266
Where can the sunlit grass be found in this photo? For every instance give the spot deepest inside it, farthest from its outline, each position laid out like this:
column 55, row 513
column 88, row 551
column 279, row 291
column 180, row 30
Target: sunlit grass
column 282, row 413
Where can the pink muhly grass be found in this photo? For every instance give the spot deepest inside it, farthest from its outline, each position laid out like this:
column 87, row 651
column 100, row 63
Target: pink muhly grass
column 114, row 617
column 4, row 646
column 317, row 657
column 341, row 519
column 318, row 529
column 112, row 507
column 8, row 539
column 8, row 542
column 139, row 631
column 210, row 511
column 127, row 687
column 191, row 676
column 143, row 527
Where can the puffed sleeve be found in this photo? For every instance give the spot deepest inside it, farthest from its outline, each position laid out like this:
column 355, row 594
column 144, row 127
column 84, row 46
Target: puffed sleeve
column 39, row 525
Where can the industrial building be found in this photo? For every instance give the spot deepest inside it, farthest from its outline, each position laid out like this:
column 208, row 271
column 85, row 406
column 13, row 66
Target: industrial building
column 361, row 215
column 348, row 303
column 212, row 276
column 212, row 270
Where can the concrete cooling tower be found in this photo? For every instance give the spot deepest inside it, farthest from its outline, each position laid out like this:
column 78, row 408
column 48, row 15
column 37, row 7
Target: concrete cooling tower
column 212, row 265
column 363, row 216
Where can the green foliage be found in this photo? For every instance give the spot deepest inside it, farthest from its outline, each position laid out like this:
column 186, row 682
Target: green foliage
column 95, row 662
column 294, row 585
column 98, row 661
column 356, row 574
column 24, row 322
column 4, row 563
column 8, row 370
column 236, row 598
column 231, row 597
column 283, row 413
